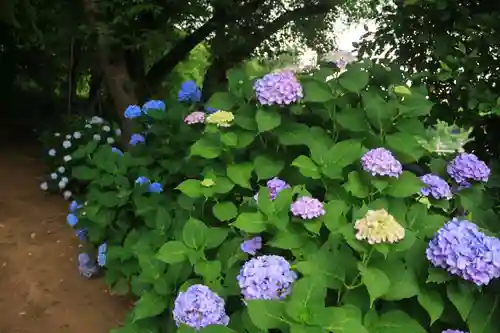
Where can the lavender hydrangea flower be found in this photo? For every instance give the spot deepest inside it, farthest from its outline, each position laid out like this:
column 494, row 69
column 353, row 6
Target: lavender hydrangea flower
column 274, row 186
column 381, row 162
column 199, row 307
column 266, row 277
column 86, row 266
column 280, row 88
column 467, row 167
column 307, row 208
column 453, row 331
column 463, row 250
column 101, row 254
column 136, row 138
column 72, row 219
column 132, row 111
column 189, row 92
column 251, row 246
column 153, row 104
column 436, row 187
column 81, row 234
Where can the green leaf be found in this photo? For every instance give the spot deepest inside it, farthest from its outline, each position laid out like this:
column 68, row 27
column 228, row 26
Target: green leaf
column 432, row 302
column 375, row 281
column 267, row 120
column 404, row 283
column 355, row 185
column 353, row 120
column 354, row 79
column 215, row 237
column 83, row 172
column 149, row 305
column 293, row 134
column 209, row 270
column 396, row 321
column 308, row 295
column 415, row 105
column 172, row 252
column 225, row 211
column 333, row 219
column 437, row 275
column 191, row 187
column 216, row 329
column 378, row 111
column 250, row 222
column 407, row 145
column 315, row 91
column 462, row 297
column 240, row 174
column 287, row 240
column 194, row 233
column 266, row 314
column 266, row 167
column 402, row 90
column 306, row 167
column 344, row 153
column 222, row 101
column 206, row 148
column 344, row 319
column 406, row 185
column 484, row 316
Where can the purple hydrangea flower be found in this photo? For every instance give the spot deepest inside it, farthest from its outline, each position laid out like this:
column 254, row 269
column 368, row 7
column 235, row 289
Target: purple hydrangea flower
column 307, row 208
column 453, row 331
column 117, row 151
column 199, row 307
column 196, row 117
column 189, row 92
column 280, row 88
column 81, row 234
column 463, row 250
column 101, row 254
column 155, row 187
column 132, row 111
column 467, row 167
column 136, row 138
column 274, row 186
column 86, row 266
column 251, row 246
column 266, row 277
column 72, row 219
column 436, row 187
column 381, row 162
column 153, row 104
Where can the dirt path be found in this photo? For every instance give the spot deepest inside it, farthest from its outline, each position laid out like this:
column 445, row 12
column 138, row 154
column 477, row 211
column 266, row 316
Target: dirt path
column 40, row 288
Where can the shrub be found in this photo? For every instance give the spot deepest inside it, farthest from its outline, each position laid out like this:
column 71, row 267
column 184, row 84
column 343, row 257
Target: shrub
column 324, row 215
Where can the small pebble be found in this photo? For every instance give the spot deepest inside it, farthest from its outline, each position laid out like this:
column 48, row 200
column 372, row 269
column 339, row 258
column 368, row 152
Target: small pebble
column 33, row 235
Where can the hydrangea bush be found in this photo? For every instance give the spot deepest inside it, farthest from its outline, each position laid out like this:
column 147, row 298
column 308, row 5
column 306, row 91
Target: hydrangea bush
column 59, row 149
column 293, row 205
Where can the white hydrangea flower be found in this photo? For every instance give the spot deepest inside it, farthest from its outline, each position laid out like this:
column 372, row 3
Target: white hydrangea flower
column 61, row 169
column 97, row 137
column 340, row 58
column 57, row 134
column 54, row 175
column 68, row 136
column 96, row 120
column 44, row 186
column 66, row 144
column 88, row 126
column 110, row 140
column 67, row 158
column 106, row 128
column 118, row 132
column 65, row 179
column 52, row 152
column 77, row 135
column 62, row 185
column 67, row 195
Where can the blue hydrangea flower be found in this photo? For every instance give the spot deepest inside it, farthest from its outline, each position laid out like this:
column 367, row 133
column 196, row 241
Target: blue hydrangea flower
column 251, row 246
column 381, row 162
column 210, row 110
column 189, row 92
column 266, row 277
column 461, row 249
column 466, row 168
column 132, row 111
column 81, row 234
column 86, row 266
column 436, row 187
column 153, row 104
column 280, row 88
column 136, row 138
column 72, row 219
column 199, row 307
column 101, row 254
column 155, row 187
column 117, row 151
column 142, row 180
column 74, row 206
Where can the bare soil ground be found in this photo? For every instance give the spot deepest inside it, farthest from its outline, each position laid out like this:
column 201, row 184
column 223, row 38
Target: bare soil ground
column 40, row 288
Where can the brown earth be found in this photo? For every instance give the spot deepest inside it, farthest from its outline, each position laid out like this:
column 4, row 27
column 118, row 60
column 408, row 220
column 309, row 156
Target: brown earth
column 40, row 288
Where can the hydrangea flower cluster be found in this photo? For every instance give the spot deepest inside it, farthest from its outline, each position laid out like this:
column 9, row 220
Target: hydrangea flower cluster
column 199, row 307
column 461, row 249
column 468, row 167
column 251, row 246
column 154, row 187
column 436, row 187
column 132, row 112
column 86, row 266
column 210, row 110
column 196, row 117
column 153, row 105
column 101, row 254
column 453, row 331
column 278, row 88
column 117, row 151
column 189, row 92
column 220, row 118
column 378, row 226
column 136, row 139
column 307, row 208
column 266, row 277
column 381, row 162
column 275, row 186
